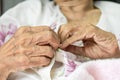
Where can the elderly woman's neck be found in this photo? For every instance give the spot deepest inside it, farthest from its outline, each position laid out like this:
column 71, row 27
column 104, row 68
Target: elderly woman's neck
column 75, row 9
column 76, row 5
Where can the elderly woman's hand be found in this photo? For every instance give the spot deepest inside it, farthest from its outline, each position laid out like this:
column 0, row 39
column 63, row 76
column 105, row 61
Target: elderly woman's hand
column 29, row 47
column 97, row 42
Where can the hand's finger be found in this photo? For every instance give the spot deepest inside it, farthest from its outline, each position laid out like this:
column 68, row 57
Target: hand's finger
column 46, row 37
column 76, row 50
column 39, row 61
column 62, row 33
column 41, row 38
column 90, row 50
column 72, row 39
column 79, row 34
column 85, row 51
column 46, row 51
column 67, row 30
column 36, row 56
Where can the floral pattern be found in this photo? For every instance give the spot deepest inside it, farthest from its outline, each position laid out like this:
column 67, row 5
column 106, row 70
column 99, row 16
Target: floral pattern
column 6, row 30
column 69, row 67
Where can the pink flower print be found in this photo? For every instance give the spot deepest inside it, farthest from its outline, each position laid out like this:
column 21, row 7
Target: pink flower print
column 12, row 29
column 2, row 34
column 69, row 67
column 6, row 30
column 2, row 31
column 1, row 42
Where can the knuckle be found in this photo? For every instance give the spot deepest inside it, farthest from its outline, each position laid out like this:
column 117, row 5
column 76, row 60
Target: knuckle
column 50, row 52
column 114, row 44
column 57, row 45
column 23, row 39
column 46, row 61
column 23, row 60
column 114, row 50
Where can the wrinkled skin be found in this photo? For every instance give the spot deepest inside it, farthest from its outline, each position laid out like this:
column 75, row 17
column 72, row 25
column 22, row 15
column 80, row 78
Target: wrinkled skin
column 97, row 42
column 35, row 46
column 29, row 47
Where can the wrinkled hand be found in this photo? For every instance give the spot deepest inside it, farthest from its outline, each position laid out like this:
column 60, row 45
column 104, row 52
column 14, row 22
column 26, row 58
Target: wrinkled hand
column 29, row 47
column 97, row 42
